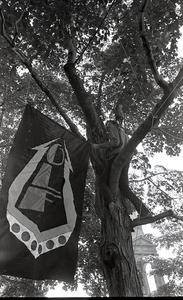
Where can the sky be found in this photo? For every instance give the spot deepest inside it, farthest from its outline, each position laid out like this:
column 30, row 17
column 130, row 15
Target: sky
column 175, row 162
column 58, row 292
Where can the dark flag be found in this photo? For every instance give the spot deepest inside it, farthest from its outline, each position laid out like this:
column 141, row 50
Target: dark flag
column 41, row 200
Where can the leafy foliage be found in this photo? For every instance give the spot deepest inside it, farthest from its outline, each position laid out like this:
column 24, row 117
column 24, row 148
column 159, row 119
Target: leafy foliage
column 115, row 70
column 18, row 287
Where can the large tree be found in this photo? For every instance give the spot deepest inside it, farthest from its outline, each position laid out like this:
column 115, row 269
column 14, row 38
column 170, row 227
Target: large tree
column 85, row 58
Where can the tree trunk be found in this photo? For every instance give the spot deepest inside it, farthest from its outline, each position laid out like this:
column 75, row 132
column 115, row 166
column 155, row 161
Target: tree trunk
column 116, row 249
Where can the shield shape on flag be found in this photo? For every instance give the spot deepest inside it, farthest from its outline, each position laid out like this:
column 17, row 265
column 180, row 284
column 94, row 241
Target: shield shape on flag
column 32, row 193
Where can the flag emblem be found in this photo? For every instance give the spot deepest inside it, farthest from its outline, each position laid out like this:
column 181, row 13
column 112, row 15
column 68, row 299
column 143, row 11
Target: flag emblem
column 41, row 200
column 37, row 193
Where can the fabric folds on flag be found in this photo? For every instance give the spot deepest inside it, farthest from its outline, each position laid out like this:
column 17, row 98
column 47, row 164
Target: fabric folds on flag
column 41, row 200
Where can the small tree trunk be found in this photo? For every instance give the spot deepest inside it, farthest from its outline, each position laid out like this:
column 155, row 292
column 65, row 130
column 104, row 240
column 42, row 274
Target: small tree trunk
column 116, row 251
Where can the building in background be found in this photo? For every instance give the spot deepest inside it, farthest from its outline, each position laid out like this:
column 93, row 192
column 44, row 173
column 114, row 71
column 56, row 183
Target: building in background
column 142, row 247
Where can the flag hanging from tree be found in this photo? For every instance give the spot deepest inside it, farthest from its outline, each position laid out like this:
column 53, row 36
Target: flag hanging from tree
column 41, row 200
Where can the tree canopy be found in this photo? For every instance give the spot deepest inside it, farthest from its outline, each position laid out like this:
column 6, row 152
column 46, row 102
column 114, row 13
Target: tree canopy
column 77, row 61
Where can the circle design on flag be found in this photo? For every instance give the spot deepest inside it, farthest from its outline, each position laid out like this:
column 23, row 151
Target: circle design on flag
column 40, row 249
column 25, row 236
column 50, row 244
column 62, row 240
column 15, row 228
column 33, row 245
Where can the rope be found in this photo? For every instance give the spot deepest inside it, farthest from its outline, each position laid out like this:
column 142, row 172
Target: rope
column 152, row 123
column 172, row 4
column 133, row 70
column 91, row 39
column 28, row 89
column 171, row 135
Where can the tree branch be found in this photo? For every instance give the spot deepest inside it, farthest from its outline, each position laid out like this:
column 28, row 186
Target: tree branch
column 49, row 94
column 178, row 81
column 143, row 221
column 146, row 178
column 91, row 39
column 99, row 94
column 18, row 21
column 146, row 45
column 2, row 112
column 160, row 189
column 177, row 217
column 3, row 30
column 39, row 82
column 169, row 94
column 125, row 155
column 85, row 99
column 169, row 134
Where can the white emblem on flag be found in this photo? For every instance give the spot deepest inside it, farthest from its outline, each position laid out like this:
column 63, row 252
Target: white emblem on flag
column 39, row 242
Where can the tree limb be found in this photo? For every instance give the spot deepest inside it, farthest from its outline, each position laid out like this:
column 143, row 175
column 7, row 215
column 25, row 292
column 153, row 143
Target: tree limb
column 125, row 155
column 169, row 94
column 84, row 98
column 99, row 94
column 2, row 112
column 91, row 39
column 49, row 94
column 143, row 221
column 18, row 21
column 146, row 45
column 160, row 189
column 3, row 30
column 178, row 217
column 169, row 134
column 39, row 82
column 146, row 178
column 178, row 81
